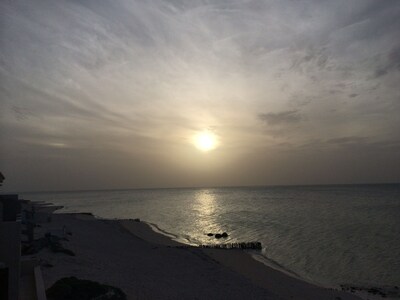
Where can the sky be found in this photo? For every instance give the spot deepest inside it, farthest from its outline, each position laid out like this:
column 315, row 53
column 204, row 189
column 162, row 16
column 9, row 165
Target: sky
column 108, row 94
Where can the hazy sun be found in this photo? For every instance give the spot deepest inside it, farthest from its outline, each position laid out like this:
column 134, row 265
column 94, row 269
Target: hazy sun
column 205, row 141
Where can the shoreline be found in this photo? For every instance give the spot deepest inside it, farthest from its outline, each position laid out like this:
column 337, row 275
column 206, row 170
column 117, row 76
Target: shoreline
column 175, row 238
column 180, row 242
column 257, row 263
column 255, row 256
column 211, row 268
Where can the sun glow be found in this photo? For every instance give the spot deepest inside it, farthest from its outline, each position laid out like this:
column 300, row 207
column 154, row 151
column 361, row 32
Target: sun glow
column 205, row 141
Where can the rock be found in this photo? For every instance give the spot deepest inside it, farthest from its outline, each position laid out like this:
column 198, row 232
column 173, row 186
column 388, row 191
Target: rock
column 210, row 234
column 137, row 220
column 221, row 235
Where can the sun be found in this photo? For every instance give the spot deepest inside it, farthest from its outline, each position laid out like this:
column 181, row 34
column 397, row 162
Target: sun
column 205, row 141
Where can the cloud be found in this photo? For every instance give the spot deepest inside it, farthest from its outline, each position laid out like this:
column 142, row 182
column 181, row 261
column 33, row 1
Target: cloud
column 389, row 63
column 281, row 118
column 347, row 140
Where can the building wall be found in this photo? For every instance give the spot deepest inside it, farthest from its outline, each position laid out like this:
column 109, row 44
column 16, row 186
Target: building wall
column 11, row 207
column 1, row 211
column 10, row 252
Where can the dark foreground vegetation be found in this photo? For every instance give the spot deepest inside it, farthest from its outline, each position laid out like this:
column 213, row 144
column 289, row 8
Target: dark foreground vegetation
column 72, row 288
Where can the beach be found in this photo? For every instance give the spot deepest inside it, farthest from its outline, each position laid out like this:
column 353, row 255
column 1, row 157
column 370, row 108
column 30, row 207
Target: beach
column 129, row 255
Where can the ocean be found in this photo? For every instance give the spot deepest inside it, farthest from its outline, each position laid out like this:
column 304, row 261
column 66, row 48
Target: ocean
column 328, row 235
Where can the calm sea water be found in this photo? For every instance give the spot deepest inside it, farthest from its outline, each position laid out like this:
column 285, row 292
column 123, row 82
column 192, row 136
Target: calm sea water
column 330, row 235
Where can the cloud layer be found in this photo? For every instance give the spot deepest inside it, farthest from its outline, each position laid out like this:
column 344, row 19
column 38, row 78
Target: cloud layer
column 296, row 91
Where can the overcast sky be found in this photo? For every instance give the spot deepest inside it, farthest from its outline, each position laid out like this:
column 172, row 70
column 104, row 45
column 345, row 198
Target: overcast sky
column 99, row 94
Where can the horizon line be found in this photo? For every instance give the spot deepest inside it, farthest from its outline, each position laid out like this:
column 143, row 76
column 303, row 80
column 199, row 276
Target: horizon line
column 199, row 187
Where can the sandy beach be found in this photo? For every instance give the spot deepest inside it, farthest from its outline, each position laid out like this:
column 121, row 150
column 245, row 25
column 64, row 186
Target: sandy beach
column 147, row 265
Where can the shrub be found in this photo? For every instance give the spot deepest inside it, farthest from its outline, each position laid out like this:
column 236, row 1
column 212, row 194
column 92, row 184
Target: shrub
column 72, row 288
